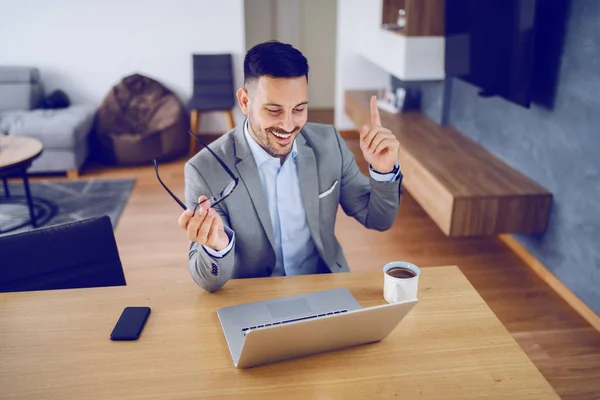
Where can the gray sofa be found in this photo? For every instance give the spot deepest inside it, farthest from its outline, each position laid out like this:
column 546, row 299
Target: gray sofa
column 64, row 132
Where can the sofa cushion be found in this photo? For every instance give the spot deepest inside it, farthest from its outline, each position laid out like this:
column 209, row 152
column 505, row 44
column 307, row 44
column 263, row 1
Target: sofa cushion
column 61, row 128
column 9, row 74
column 20, row 96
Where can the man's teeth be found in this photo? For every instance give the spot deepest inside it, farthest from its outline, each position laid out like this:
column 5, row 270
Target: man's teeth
column 282, row 135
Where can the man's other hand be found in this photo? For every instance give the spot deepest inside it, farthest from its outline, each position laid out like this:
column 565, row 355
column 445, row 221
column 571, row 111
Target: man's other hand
column 378, row 144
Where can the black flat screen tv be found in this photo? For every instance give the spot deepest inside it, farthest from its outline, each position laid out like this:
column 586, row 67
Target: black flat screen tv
column 491, row 44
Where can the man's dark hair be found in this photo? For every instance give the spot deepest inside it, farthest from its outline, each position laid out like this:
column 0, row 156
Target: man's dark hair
column 276, row 60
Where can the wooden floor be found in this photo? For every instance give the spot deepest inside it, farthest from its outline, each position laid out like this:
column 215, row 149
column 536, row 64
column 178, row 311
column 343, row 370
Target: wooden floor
column 560, row 343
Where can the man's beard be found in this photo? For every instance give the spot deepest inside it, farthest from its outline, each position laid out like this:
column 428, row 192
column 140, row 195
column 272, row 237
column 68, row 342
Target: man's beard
column 268, row 142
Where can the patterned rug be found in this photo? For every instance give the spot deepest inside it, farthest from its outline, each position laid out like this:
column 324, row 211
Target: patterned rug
column 58, row 202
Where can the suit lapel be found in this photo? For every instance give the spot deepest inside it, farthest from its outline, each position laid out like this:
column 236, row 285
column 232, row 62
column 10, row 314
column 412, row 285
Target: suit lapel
column 309, row 187
column 248, row 172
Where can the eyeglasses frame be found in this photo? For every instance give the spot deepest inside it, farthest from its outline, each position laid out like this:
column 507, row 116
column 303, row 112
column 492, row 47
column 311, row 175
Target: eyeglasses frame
column 217, row 201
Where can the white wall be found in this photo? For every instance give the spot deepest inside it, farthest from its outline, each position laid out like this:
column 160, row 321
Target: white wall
column 259, row 17
column 317, row 42
column 352, row 71
column 288, row 22
column 308, row 25
column 86, row 47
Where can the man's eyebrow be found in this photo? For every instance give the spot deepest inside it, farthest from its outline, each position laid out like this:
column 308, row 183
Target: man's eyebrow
column 279, row 105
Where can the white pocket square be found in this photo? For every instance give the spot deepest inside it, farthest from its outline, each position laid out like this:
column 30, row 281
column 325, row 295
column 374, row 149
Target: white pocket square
column 328, row 191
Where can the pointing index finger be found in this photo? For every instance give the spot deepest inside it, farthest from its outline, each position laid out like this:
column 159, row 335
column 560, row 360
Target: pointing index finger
column 375, row 120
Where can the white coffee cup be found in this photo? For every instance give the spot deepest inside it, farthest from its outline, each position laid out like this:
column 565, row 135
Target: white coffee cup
column 400, row 289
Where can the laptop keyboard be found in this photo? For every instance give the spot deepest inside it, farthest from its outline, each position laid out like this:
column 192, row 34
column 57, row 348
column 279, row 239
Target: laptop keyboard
column 244, row 330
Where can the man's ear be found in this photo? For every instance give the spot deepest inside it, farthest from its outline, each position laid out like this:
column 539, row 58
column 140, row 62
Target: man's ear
column 242, row 97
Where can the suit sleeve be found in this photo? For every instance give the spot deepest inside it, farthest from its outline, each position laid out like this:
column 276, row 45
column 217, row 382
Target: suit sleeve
column 371, row 202
column 209, row 272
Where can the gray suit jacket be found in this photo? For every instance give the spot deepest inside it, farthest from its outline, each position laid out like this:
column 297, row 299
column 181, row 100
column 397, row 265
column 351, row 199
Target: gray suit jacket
column 323, row 158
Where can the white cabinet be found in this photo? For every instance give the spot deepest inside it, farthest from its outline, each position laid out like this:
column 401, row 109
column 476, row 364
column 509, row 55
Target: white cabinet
column 413, row 53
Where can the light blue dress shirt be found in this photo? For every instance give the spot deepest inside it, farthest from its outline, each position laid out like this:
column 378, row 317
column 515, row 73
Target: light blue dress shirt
column 295, row 251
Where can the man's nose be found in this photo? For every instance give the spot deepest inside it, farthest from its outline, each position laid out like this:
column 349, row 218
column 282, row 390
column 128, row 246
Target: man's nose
column 288, row 123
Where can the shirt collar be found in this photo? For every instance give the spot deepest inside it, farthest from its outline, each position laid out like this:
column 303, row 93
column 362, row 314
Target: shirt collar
column 260, row 155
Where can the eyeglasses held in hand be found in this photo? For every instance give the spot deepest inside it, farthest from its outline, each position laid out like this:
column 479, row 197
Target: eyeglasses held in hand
column 214, row 200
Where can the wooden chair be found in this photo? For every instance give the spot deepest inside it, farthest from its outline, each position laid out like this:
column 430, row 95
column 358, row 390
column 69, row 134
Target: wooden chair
column 213, row 89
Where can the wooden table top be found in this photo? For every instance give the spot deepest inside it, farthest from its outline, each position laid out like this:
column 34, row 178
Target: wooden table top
column 55, row 344
column 17, row 149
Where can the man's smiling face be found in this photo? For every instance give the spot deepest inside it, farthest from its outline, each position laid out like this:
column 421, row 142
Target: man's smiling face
column 276, row 110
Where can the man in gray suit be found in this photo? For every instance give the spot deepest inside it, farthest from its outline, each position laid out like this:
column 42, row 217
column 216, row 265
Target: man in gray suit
column 280, row 218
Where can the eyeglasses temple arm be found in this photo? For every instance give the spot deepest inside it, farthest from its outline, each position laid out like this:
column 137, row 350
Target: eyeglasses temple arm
column 213, row 153
column 167, row 189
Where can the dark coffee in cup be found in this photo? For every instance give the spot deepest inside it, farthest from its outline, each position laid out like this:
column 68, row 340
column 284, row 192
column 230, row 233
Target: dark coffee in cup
column 402, row 273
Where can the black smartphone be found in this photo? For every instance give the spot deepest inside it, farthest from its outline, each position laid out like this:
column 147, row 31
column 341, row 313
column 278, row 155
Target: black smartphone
column 130, row 324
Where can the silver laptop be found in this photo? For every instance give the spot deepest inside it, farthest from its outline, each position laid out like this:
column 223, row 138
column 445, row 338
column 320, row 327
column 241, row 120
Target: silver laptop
column 275, row 330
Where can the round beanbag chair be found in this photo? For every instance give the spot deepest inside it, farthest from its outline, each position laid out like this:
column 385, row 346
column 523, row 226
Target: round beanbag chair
column 140, row 120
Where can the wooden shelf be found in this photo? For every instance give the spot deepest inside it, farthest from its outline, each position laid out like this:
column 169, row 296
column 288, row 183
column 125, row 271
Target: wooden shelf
column 423, row 17
column 397, row 31
column 464, row 188
column 389, row 12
